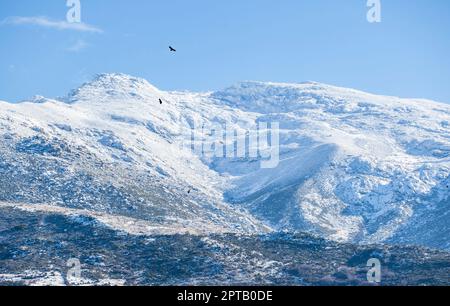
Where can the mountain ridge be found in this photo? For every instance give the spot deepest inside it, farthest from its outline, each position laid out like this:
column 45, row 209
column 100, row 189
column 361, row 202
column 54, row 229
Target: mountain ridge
column 354, row 167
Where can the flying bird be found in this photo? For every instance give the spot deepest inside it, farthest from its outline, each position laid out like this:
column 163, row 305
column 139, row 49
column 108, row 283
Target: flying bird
column 172, row 49
column 160, row 101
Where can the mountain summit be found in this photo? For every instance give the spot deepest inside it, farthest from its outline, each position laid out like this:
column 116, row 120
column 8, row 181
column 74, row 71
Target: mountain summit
column 113, row 85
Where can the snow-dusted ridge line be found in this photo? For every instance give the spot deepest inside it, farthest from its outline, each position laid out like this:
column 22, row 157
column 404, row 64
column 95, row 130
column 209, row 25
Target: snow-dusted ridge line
column 114, row 80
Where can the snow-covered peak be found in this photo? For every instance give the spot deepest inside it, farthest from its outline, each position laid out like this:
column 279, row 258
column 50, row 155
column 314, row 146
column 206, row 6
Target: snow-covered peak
column 118, row 79
column 113, row 86
column 270, row 97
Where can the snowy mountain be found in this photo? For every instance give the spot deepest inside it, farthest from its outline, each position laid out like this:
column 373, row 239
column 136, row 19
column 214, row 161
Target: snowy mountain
column 353, row 167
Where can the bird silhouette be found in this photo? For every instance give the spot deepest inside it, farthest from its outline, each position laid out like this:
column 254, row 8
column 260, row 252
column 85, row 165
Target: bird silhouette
column 172, row 49
column 160, row 101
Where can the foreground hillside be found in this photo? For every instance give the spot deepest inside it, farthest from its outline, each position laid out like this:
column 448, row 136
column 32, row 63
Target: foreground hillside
column 35, row 248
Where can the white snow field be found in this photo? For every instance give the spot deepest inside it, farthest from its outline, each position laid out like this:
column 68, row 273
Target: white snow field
column 354, row 167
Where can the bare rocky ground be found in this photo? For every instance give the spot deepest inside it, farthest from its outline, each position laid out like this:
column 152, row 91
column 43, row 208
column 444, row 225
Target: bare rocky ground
column 35, row 248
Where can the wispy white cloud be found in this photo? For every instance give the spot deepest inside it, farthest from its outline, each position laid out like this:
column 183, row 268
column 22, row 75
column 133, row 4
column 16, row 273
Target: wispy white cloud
column 53, row 24
column 78, row 46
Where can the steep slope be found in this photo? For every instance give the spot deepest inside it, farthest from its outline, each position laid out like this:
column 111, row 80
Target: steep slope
column 354, row 167
column 107, row 150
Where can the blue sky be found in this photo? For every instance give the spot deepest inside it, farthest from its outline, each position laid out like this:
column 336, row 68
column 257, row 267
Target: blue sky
column 221, row 42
